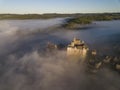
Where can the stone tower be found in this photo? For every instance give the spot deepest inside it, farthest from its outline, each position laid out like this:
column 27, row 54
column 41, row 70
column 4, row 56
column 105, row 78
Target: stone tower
column 77, row 49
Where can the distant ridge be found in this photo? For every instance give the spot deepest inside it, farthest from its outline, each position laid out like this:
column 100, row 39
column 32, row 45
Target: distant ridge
column 53, row 15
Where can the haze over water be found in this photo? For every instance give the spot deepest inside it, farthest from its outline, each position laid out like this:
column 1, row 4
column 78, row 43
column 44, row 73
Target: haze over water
column 99, row 34
column 24, row 67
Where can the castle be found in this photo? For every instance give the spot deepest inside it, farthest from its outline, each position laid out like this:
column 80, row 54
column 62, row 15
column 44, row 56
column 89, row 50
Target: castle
column 77, row 48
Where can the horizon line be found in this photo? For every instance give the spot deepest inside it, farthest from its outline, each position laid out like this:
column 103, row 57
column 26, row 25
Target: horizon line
column 62, row 13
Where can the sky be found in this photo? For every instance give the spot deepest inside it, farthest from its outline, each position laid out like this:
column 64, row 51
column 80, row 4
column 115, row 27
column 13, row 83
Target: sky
column 58, row 6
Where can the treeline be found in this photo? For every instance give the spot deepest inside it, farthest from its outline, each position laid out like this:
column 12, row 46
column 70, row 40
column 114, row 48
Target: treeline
column 74, row 20
column 89, row 18
column 104, row 16
column 72, row 23
column 32, row 16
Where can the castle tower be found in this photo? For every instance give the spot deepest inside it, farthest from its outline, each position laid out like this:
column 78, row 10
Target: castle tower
column 77, row 49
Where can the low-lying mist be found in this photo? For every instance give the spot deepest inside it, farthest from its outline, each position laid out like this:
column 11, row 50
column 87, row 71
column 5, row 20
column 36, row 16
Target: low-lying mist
column 15, row 34
column 34, row 71
column 25, row 66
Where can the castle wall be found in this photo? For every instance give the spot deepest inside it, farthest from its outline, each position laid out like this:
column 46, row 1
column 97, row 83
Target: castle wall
column 75, row 51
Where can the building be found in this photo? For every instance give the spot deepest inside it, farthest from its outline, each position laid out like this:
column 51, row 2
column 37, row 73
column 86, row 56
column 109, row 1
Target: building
column 94, row 52
column 77, row 48
column 51, row 47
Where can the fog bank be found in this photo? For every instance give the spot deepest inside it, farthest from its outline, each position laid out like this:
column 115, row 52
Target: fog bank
column 25, row 66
